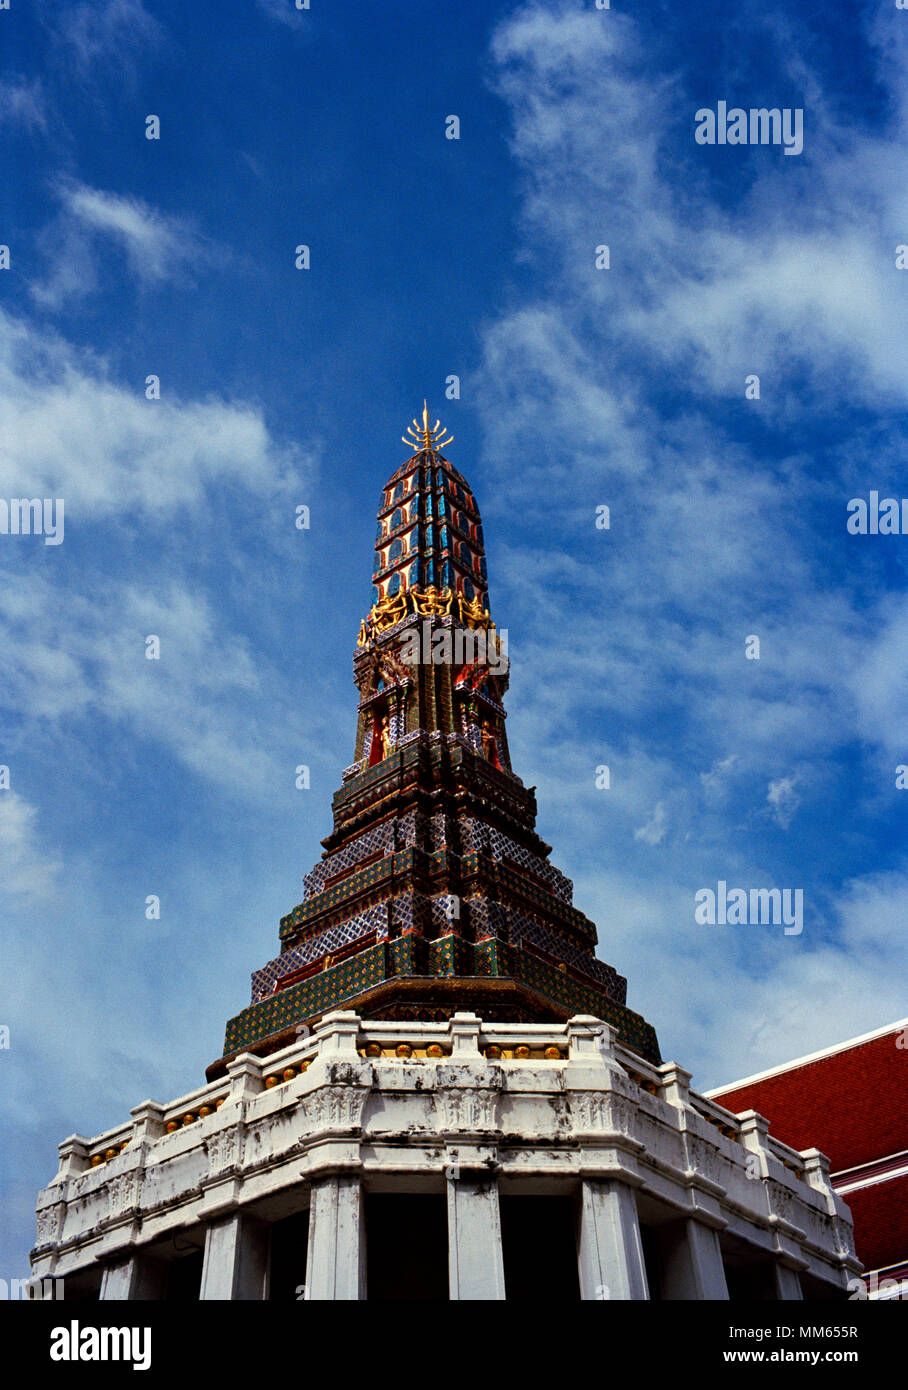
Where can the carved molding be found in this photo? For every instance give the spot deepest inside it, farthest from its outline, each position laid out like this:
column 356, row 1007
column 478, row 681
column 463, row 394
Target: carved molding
column 122, row 1193
column 335, row 1107
column 467, row 1109
column 606, row 1112
column 50, row 1223
column 223, row 1149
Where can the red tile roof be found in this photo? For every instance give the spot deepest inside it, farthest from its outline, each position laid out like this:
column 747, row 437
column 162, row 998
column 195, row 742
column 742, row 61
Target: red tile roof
column 853, row 1104
column 880, row 1222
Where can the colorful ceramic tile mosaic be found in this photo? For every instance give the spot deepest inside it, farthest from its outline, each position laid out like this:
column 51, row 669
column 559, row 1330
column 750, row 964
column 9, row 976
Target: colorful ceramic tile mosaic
column 434, row 892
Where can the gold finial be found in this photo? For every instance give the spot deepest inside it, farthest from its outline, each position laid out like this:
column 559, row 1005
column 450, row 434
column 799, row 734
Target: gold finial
column 422, row 437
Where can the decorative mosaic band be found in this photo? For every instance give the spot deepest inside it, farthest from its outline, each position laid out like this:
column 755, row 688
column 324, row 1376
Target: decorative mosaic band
column 374, row 919
column 412, row 955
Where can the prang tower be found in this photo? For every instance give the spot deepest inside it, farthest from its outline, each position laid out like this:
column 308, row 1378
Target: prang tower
column 434, row 892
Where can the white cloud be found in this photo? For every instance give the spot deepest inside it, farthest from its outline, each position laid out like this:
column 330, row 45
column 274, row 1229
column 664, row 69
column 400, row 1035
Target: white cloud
column 783, row 800
column 71, row 431
column 707, row 543
column 653, row 832
column 717, row 777
column 157, row 248
column 145, row 468
column 211, row 699
column 101, row 32
column 615, row 387
column 877, row 679
column 798, row 274
column 821, row 995
column 22, row 102
column 729, row 1001
column 26, row 870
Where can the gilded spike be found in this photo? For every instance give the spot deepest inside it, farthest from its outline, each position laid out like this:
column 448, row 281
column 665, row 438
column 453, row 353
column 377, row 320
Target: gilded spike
column 420, row 435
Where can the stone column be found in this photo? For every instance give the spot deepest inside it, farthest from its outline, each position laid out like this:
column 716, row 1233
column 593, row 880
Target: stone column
column 816, row 1173
column 610, row 1253
column 336, row 1267
column 475, row 1261
column 73, row 1157
column 464, row 1030
column 692, row 1265
column 245, row 1076
column 337, row 1036
column 235, row 1265
column 136, row 1277
column 147, row 1122
column 786, row 1282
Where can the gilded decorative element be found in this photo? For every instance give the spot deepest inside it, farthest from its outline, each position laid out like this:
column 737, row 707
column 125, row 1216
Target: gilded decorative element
column 421, row 436
column 388, row 611
column 432, row 602
column 425, row 603
column 473, row 614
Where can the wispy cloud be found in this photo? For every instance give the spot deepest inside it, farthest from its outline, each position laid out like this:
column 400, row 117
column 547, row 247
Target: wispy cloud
column 653, row 832
column 98, row 33
column 717, row 289
column 27, row 870
column 626, row 387
column 72, row 430
column 157, row 247
column 22, row 102
column 717, row 777
column 286, row 12
column 783, row 800
column 202, row 698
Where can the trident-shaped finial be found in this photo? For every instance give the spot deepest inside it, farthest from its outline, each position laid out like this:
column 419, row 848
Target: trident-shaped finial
column 422, row 437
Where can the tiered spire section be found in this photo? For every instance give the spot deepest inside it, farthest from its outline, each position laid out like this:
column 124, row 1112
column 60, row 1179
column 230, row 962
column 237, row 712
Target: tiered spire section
column 434, row 892
column 429, row 556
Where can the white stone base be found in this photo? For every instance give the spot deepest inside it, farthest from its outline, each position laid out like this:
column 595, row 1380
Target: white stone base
column 629, row 1142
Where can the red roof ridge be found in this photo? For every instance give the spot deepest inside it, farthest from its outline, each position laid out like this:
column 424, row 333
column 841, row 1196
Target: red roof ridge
column 805, row 1060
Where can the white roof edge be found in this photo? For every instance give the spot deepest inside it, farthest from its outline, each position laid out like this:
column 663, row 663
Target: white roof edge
column 809, row 1057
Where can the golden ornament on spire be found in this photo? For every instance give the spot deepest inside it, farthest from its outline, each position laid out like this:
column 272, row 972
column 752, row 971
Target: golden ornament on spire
column 422, row 437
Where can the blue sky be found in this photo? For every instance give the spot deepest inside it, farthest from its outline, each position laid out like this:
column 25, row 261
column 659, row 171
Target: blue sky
column 579, row 387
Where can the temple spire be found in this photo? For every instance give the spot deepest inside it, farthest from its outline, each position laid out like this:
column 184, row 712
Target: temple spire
column 434, row 893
